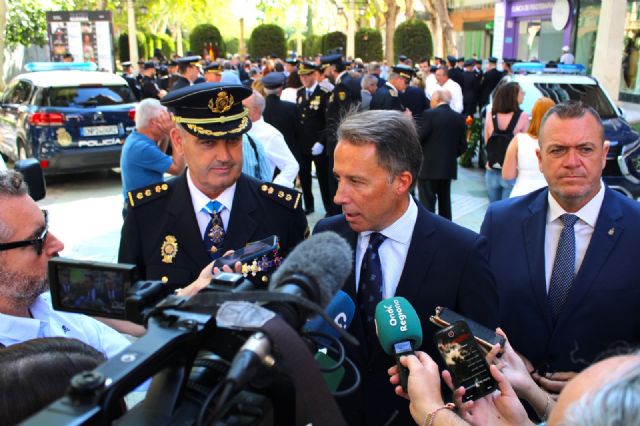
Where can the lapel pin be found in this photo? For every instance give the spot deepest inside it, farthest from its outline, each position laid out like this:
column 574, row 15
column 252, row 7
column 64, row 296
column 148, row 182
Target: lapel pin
column 611, row 232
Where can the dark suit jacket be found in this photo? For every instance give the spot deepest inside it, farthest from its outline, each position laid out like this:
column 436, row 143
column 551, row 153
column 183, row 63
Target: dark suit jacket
column 443, row 136
column 602, row 308
column 446, row 266
column 470, row 87
column 415, row 99
column 254, row 216
column 455, row 74
column 179, row 83
column 282, row 116
column 345, row 95
column 489, row 81
column 386, row 98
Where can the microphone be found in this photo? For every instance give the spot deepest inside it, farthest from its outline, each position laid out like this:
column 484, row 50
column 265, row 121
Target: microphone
column 315, row 269
column 341, row 309
column 399, row 331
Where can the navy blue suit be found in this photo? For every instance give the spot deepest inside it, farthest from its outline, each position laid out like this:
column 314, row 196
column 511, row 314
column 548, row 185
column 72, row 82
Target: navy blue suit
column 446, row 265
column 602, row 308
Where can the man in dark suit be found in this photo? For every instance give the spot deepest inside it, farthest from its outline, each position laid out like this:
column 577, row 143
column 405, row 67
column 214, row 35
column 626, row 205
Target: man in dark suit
column 342, row 99
column 280, row 114
column 454, row 72
column 430, row 261
column 311, row 105
column 564, row 256
column 174, row 229
column 387, row 97
column 490, row 80
column 443, row 139
column 470, row 90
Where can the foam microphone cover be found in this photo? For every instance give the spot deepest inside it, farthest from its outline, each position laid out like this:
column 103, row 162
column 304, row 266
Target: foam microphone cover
column 325, row 259
column 397, row 321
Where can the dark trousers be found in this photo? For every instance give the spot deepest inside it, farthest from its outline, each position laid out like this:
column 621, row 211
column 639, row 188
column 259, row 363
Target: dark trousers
column 322, row 172
column 432, row 190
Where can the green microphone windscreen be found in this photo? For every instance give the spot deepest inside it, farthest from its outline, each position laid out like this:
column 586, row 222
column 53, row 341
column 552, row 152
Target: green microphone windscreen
column 397, row 321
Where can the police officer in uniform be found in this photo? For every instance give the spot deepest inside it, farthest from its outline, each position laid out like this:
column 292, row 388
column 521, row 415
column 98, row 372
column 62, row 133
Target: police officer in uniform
column 189, row 70
column 387, row 97
column 311, row 103
column 150, row 87
column 127, row 74
column 174, row 229
column 345, row 96
column 212, row 72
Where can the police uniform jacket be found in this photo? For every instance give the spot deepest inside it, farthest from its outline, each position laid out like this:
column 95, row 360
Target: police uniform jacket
column 180, row 83
column 281, row 115
column 415, row 99
column 161, row 237
column 386, row 98
column 489, row 81
column 133, row 85
column 341, row 100
column 311, row 114
column 150, row 88
column 455, row 74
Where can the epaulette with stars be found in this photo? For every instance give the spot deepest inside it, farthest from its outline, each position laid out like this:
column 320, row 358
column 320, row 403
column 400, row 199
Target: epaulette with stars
column 143, row 195
column 282, row 195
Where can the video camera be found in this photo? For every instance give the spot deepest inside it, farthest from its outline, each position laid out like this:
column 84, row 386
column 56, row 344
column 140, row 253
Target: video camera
column 228, row 355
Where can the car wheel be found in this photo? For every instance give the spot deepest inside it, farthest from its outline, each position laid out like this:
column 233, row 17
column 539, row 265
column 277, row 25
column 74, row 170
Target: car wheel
column 23, row 152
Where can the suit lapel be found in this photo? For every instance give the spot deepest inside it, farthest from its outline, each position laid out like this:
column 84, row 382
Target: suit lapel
column 605, row 235
column 242, row 226
column 184, row 222
column 533, row 229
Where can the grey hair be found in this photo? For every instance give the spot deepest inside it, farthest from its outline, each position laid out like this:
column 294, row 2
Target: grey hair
column 12, row 184
column 147, row 110
column 272, row 91
column 373, row 66
column 569, row 110
column 367, row 80
column 615, row 403
column 442, row 95
column 394, row 135
column 257, row 101
column 393, row 75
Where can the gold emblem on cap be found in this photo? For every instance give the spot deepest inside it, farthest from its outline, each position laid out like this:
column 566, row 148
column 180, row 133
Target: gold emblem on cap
column 222, row 103
column 169, row 249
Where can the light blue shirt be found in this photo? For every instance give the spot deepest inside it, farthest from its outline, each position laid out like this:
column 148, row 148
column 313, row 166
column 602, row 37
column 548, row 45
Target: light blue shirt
column 141, row 163
column 47, row 322
column 393, row 251
column 262, row 171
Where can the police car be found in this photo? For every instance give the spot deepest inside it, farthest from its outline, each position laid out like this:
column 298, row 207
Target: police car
column 568, row 82
column 69, row 117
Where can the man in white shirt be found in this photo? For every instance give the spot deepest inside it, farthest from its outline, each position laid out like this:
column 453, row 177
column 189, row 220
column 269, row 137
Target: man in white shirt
column 567, row 57
column 454, row 88
column 430, row 261
column 275, row 147
column 563, row 256
column 26, row 247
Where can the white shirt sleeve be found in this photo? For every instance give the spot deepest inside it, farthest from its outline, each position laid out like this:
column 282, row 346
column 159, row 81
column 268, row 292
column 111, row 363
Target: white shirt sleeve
column 456, row 96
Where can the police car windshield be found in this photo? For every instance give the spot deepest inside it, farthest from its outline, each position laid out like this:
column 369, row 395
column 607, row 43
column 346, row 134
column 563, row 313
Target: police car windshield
column 82, row 97
column 590, row 95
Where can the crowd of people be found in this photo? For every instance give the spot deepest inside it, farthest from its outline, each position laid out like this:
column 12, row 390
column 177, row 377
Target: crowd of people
column 547, row 266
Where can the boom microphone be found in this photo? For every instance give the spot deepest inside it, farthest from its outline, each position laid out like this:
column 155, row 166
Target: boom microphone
column 399, row 331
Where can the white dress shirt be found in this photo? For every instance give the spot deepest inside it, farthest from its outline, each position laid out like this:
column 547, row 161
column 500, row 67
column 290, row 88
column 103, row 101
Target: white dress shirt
column 199, row 200
column 587, row 217
column 456, row 95
column 431, row 84
column 46, row 322
column 393, row 250
column 278, row 153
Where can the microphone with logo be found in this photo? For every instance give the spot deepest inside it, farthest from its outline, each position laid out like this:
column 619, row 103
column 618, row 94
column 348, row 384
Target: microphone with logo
column 399, row 331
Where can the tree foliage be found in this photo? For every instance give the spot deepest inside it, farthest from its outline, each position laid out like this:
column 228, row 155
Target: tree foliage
column 267, row 39
column 368, row 44
column 413, row 39
column 26, row 24
column 333, row 41
column 202, row 35
column 123, row 46
column 312, row 45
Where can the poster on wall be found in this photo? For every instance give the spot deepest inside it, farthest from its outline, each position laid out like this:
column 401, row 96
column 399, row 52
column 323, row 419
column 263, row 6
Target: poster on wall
column 86, row 35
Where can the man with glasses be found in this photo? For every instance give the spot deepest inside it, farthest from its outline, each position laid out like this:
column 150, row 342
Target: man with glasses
column 26, row 247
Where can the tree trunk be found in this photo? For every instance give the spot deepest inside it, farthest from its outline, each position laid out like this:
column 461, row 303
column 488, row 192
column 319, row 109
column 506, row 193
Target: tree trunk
column 442, row 12
column 390, row 16
column 3, row 28
column 408, row 6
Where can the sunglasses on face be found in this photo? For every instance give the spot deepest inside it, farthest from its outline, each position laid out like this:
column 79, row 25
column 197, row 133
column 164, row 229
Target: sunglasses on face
column 37, row 242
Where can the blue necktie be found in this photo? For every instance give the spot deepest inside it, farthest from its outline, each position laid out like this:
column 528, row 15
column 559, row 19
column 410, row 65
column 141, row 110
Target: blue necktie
column 214, row 233
column 370, row 288
column 564, row 266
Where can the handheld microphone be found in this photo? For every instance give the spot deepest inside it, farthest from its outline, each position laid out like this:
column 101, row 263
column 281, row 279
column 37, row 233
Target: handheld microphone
column 341, row 309
column 399, row 331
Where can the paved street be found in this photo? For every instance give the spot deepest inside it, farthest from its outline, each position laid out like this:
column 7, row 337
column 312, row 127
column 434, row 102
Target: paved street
column 85, row 210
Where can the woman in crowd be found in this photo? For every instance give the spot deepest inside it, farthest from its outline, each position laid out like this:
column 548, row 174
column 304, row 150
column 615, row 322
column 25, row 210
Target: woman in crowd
column 505, row 107
column 521, row 161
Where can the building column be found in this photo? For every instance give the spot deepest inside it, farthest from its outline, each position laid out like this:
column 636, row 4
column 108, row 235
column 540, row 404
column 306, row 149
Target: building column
column 607, row 60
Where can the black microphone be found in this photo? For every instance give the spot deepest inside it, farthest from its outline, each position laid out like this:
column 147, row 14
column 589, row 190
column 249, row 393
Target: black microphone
column 315, row 270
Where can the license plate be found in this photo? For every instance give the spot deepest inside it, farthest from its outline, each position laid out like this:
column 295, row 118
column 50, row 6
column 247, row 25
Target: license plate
column 99, row 130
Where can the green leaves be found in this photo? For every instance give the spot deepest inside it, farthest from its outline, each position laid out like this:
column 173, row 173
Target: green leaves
column 26, row 24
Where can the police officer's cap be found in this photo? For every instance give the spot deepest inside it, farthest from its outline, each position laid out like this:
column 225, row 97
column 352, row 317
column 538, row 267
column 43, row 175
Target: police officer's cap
column 402, row 58
column 461, row 59
column 190, row 60
column 452, row 59
column 127, row 64
column 331, row 59
column 493, row 59
column 172, row 63
column 210, row 110
column 291, row 61
column 403, row 71
column 213, row 67
column 469, row 63
column 148, row 65
column 306, row 68
column 273, row 80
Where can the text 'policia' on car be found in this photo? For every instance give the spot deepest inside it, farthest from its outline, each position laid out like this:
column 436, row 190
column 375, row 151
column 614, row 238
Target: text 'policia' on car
column 68, row 116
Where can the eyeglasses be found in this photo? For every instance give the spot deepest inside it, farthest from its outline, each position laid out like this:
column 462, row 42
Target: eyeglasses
column 37, row 242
